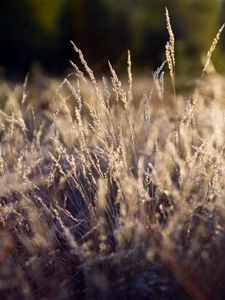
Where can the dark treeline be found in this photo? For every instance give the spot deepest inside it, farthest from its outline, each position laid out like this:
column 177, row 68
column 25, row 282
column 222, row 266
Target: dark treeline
column 39, row 31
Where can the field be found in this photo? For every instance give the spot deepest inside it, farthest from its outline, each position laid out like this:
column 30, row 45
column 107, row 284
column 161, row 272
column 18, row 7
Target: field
column 113, row 189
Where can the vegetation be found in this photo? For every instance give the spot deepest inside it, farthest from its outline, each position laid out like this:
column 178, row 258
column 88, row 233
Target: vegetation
column 34, row 31
column 109, row 194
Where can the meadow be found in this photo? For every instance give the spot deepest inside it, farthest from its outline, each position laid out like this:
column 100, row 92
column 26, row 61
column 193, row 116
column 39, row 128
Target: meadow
column 112, row 189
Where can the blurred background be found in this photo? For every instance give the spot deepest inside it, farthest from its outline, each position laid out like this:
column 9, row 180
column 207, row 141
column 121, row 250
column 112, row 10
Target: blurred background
column 35, row 34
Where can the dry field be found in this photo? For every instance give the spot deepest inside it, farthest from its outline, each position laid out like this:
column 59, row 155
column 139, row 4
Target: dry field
column 113, row 190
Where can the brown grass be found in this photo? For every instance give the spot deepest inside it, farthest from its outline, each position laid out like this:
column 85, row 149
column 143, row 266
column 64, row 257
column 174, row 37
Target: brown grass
column 109, row 194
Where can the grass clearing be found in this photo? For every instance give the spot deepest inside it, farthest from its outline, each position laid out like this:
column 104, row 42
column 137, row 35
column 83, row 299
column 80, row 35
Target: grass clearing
column 109, row 194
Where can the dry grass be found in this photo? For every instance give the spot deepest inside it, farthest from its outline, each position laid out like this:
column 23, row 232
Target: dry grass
column 107, row 194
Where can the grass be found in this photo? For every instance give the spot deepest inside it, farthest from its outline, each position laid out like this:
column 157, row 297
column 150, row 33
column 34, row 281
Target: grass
column 107, row 194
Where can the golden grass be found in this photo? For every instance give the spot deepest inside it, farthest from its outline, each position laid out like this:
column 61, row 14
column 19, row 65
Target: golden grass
column 109, row 194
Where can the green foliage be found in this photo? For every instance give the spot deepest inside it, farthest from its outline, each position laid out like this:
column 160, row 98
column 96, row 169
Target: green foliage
column 40, row 30
column 199, row 22
column 46, row 14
